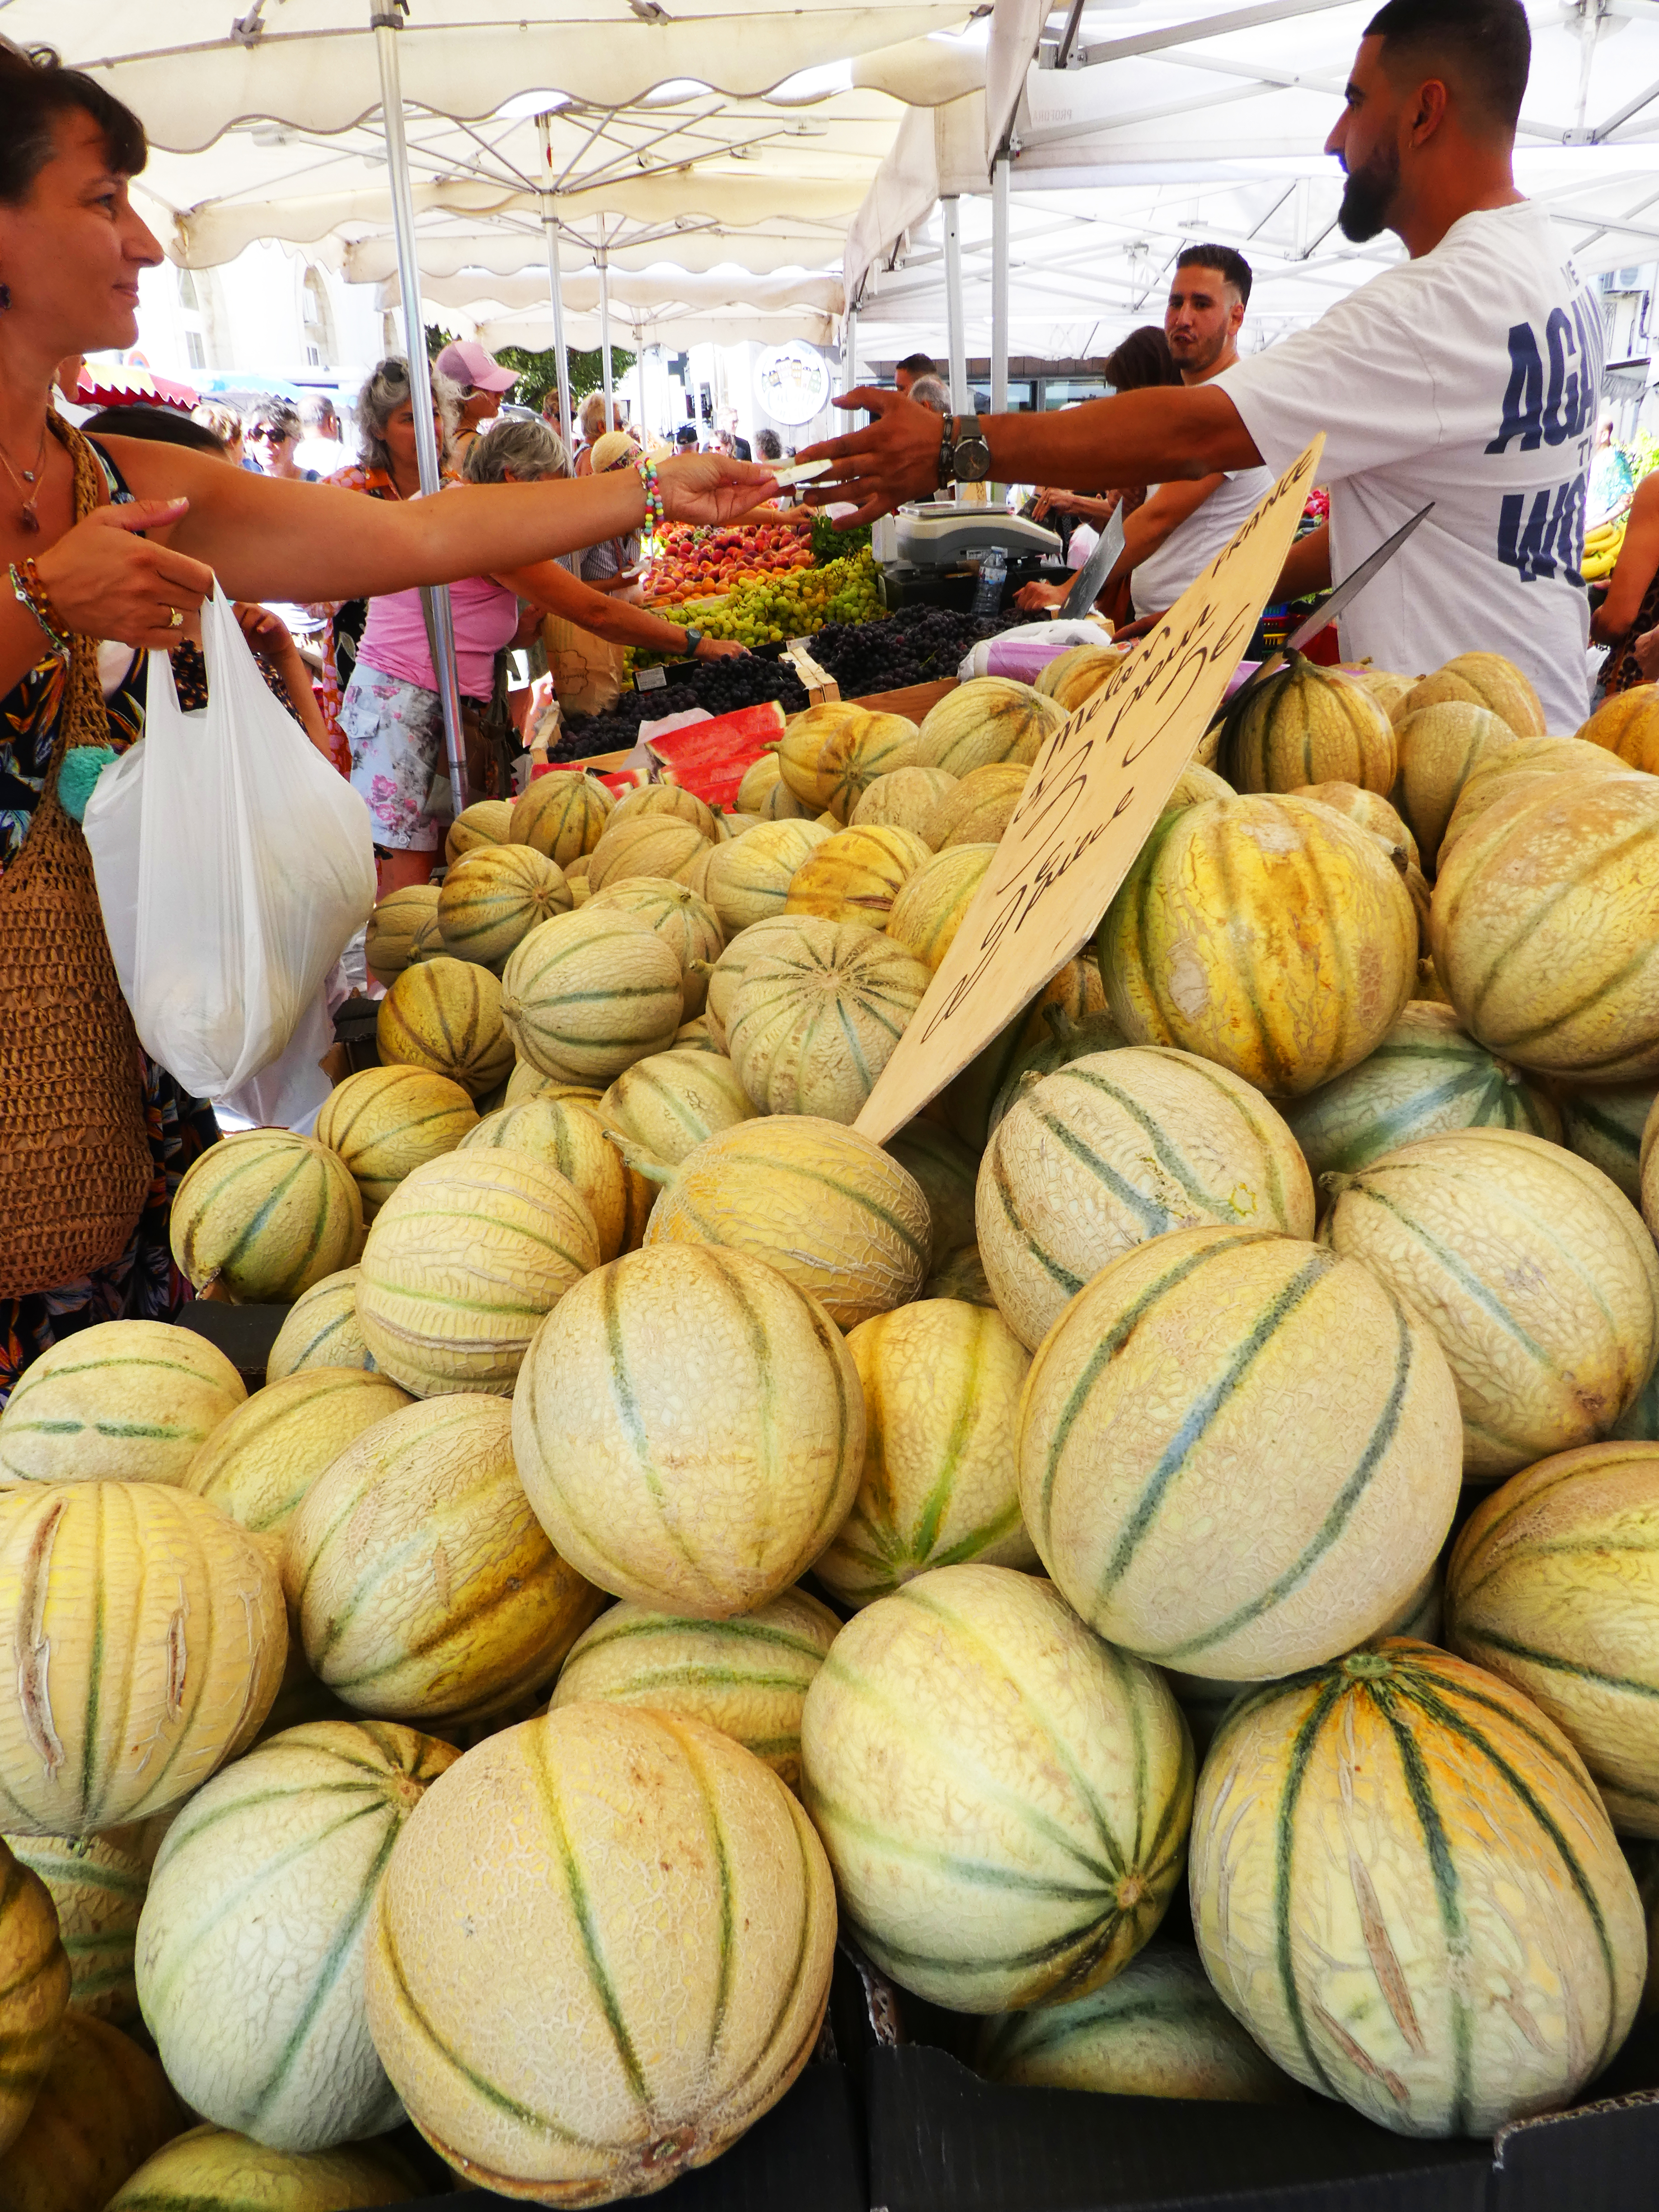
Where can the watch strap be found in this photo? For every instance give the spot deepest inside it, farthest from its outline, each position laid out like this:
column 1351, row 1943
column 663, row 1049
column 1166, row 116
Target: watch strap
column 693, row 639
column 947, row 453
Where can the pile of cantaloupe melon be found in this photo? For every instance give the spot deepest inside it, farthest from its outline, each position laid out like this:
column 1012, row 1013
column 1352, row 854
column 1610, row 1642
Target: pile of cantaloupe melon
column 1216, row 1447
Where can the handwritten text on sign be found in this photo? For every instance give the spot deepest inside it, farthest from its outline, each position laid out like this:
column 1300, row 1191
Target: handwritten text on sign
column 1095, row 793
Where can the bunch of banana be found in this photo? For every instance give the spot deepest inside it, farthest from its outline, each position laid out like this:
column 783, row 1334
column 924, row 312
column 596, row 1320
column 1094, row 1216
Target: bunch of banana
column 1602, row 547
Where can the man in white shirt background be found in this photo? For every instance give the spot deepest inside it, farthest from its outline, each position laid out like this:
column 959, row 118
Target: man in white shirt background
column 1467, row 375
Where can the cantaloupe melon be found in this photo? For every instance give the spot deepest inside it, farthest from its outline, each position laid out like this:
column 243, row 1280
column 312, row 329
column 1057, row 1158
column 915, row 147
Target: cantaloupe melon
column 649, row 845
column 1004, row 1798
column 670, row 798
column 276, row 1861
column 978, row 808
column 1534, row 1271
column 493, row 897
column 1530, row 767
column 1076, row 989
column 1404, row 1886
column 856, row 875
column 264, row 1215
column 321, row 1330
column 445, row 1015
column 680, row 918
column 104, row 2107
column 933, row 904
column 1061, row 1040
column 1628, row 724
column 121, row 1401
column 831, row 755
column 831, row 1211
column 1158, row 2030
column 817, row 1015
column 528, row 1082
column 941, row 1382
column 1306, row 725
column 142, row 1640
column 990, row 718
column 689, row 1430
column 562, row 815
column 568, row 1135
column 383, row 1122
column 35, row 1990
column 729, row 970
column 749, row 881
column 1426, row 1076
column 747, row 1677
column 1369, row 808
column 946, row 1171
column 587, row 994
column 422, row 1582
column 669, row 1103
column 518, row 1890
column 764, row 791
column 211, row 2169
column 463, row 1262
column 261, row 1460
column 959, row 1274
column 903, row 798
column 1116, row 1148
column 1153, row 1429
column 1267, row 935
column 1074, row 676
column 695, row 1036
column 1199, row 783
column 1603, row 1124
column 425, row 940
column 1483, row 679
column 97, row 1884
column 393, row 926
column 1440, row 748
column 486, row 822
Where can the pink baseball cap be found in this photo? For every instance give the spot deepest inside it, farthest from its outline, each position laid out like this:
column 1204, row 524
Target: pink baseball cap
column 465, row 362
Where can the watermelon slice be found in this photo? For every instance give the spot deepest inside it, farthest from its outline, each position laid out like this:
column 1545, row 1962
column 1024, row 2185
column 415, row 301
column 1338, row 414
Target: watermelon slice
column 710, row 758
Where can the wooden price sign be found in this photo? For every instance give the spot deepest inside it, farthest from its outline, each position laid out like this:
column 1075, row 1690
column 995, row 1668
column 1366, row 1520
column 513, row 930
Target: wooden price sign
column 1094, row 795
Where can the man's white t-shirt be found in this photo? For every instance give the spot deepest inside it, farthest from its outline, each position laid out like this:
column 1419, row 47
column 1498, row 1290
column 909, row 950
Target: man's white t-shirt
column 1188, row 550
column 1470, row 377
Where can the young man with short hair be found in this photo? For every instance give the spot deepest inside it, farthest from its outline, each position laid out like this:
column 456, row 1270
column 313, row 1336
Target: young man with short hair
column 913, row 366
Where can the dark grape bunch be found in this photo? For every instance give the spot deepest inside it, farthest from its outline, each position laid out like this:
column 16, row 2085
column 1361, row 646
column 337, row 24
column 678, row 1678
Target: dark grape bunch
column 721, row 686
column 919, row 645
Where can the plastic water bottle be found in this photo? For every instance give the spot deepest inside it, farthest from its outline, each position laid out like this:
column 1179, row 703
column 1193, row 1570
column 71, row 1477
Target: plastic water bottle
column 993, row 582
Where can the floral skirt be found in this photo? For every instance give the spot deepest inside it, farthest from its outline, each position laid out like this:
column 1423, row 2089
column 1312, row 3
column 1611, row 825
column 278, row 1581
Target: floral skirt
column 396, row 732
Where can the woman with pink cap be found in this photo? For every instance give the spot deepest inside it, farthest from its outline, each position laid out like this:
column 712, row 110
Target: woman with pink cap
column 481, row 381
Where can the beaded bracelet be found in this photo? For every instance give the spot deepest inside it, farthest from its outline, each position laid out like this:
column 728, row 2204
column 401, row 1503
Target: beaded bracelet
column 653, row 506
column 30, row 592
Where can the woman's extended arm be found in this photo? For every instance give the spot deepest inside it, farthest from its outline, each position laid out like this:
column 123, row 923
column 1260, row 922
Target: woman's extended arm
column 557, row 591
column 1637, row 565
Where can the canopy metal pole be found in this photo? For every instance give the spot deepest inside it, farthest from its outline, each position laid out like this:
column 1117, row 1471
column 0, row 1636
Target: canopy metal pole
column 385, row 20
column 956, row 335
column 849, row 346
column 604, row 325
column 999, row 286
column 550, row 229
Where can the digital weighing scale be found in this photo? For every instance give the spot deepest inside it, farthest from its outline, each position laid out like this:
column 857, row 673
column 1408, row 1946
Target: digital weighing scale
column 929, row 553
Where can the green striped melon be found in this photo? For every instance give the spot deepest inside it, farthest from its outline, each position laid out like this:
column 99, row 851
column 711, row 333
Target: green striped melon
column 856, row 875
column 695, row 1036
column 1405, row 1888
column 1076, row 989
column 817, row 1015
column 273, row 1867
column 1077, row 674
column 670, row 798
column 764, row 791
column 902, row 800
column 669, row 1102
column 35, row 1990
column 820, row 1203
column 748, row 1677
column 463, row 1262
column 831, row 754
column 649, row 845
column 1158, row 2030
column 1553, row 1584
column 486, row 822
column 677, row 915
column 383, row 1122
column 587, row 994
column 97, row 1884
column 941, row 1382
column 946, row 1170
column 141, row 1641
column 264, row 1215
column 446, row 1015
column 211, row 2169
column 1603, row 1124
column 425, row 940
column 748, row 880
column 733, row 964
column 989, row 719
column 1534, row 768
column 422, row 1584
column 1535, row 1273
column 261, row 1460
column 568, row 1135
column 1427, row 1076
column 1307, row 726
column 528, row 1082
column 561, row 814
column 121, row 1401
column 494, row 897
column 1369, row 809
column 978, row 808
column 321, row 1330
column 1440, row 748
column 1004, row 1798
column 933, row 904
column 1154, row 1428
column 1061, row 1040
column 520, row 1890
column 392, row 927
column 1486, row 679
column 1115, row 1149
column 688, row 1429
column 103, row 2108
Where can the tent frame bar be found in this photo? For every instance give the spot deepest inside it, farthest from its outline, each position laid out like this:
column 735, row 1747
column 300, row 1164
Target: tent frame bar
column 550, row 228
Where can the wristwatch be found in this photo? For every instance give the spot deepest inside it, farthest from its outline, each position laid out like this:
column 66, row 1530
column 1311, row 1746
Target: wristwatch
column 963, row 454
column 693, row 640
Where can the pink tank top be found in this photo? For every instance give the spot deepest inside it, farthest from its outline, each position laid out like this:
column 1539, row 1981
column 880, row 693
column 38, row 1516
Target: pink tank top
column 485, row 615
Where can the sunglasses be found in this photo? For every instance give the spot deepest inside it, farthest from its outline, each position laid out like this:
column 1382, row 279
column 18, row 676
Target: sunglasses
column 269, row 437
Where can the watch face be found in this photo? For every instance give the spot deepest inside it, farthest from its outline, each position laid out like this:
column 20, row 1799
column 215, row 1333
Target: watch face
column 973, row 460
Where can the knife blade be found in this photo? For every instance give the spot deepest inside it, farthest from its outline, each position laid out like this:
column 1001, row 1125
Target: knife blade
column 1094, row 572
column 1351, row 587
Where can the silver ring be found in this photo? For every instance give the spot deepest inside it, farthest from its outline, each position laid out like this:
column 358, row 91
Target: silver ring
column 176, row 618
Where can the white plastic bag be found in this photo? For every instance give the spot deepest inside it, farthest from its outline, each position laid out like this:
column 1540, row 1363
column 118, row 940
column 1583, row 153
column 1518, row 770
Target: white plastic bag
column 234, row 865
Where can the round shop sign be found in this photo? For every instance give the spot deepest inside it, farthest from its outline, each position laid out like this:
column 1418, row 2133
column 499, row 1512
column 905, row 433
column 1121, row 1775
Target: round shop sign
column 792, row 382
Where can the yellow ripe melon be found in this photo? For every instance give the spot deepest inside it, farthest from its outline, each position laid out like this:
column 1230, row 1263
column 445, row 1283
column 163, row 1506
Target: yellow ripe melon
column 562, row 815
column 1440, row 747
column 121, row 1401
column 141, row 1642
column 1603, row 1123
column 856, row 875
column 1158, row 2030
column 989, row 718
column 669, row 1103
column 728, row 971
column 586, row 995
column 747, row 1677
column 1074, row 677
column 1198, row 783
column 277, row 1861
column 730, row 824
column 104, row 2106
column 264, row 1215
column 749, row 881
column 383, row 1122
column 321, row 1330
column 902, row 799
column 1369, row 808
column 1267, row 935
column 462, row 1263
column 1403, row 1885
column 576, row 881
column 96, row 1885
column 679, row 916
column 1546, row 927
column 690, row 1430
column 941, row 1383
column 1153, row 1430
column 946, row 1170
column 1384, row 685
column 520, row 1890
column 1076, row 990
column 817, row 1014
column 933, row 904
column 445, row 1015
column 527, row 1081
column 648, row 845
column 1533, row 1269
column 1003, row 1800
column 1628, row 724
column 831, row 755
column 671, row 798
column 1530, row 767
column 261, row 1460
column 978, row 810
column 1308, row 724
column 35, row 1990
column 426, row 942
column 764, row 791
column 695, row 1037
column 1482, row 679
column 215, row 2170
column 486, row 822
column 392, row 927
column 1118, row 1147
column 565, row 1134
column 493, row 897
